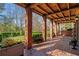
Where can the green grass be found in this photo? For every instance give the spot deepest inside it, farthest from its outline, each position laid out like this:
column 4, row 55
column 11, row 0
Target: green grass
column 35, row 33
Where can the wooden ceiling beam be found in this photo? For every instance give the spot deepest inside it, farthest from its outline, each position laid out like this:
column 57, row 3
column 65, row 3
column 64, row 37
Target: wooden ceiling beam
column 29, row 5
column 65, row 17
column 60, row 10
column 21, row 5
column 67, row 20
column 39, row 13
column 35, row 11
column 64, row 10
column 51, row 16
column 50, row 9
column 42, row 9
column 47, row 14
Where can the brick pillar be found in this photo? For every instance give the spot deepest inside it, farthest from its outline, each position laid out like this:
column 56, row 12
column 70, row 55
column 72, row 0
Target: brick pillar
column 28, row 28
column 44, row 28
column 51, row 30
column 59, row 29
column 54, row 28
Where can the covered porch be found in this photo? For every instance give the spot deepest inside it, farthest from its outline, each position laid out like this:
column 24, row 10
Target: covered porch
column 58, row 42
column 58, row 13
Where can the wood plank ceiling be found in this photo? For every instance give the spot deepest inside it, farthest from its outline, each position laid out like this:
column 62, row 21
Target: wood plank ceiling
column 59, row 12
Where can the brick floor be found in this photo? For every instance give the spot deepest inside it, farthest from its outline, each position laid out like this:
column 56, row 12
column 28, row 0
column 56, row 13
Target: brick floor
column 58, row 46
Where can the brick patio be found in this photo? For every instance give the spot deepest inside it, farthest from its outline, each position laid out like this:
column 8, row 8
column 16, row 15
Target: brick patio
column 58, row 46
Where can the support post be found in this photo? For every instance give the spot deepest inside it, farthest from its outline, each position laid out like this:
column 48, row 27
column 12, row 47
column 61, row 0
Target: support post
column 44, row 32
column 51, row 30
column 28, row 28
column 59, row 27
column 54, row 28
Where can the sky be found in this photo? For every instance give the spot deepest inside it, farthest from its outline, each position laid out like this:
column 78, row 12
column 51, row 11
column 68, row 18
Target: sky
column 10, row 9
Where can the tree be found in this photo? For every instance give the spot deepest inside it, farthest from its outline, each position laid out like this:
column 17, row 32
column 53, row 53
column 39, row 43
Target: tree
column 2, row 7
column 9, row 21
column 36, row 23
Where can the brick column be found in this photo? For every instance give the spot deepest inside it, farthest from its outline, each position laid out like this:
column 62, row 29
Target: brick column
column 28, row 28
column 54, row 28
column 51, row 30
column 44, row 32
column 59, row 29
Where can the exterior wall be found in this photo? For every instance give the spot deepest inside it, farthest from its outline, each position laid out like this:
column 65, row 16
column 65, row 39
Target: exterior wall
column 15, row 50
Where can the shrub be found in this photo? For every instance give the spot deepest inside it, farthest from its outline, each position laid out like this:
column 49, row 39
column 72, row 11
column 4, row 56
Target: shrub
column 69, row 29
column 18, row 39
column 9, row 34
column 5, row 35
column 0, row 38
column 37, row 37
column 2, row 45
column 9, row 42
